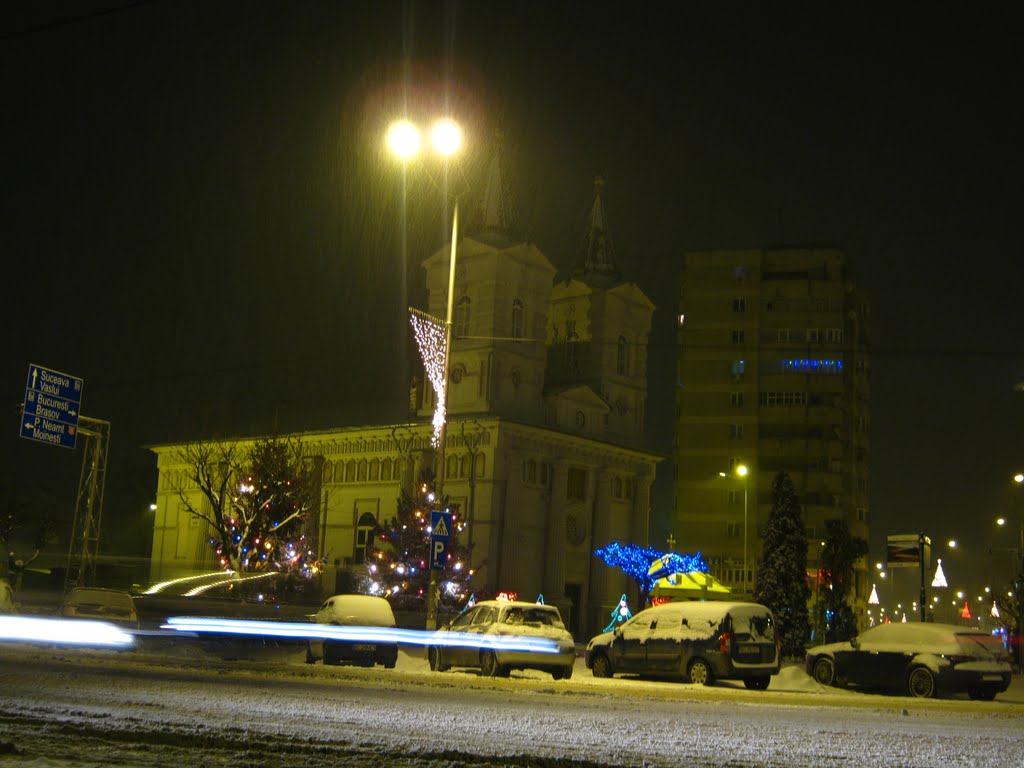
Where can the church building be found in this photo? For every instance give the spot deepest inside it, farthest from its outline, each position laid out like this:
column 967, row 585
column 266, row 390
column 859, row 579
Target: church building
column 543, row 448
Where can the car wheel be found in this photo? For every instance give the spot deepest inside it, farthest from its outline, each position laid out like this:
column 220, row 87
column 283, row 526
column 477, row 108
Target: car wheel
column 489, row 666
column 759, row 683
column 562, row 674
column 700, row 672
column 601, row 666
column 981, row 693
column 824, row 671
column 921, row 683
column 436, row 662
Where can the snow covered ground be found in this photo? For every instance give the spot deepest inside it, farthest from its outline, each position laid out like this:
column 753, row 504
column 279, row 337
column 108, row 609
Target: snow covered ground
column 181, row 703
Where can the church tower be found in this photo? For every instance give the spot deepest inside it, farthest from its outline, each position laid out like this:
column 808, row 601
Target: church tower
column 502, row 288
column 598, row 328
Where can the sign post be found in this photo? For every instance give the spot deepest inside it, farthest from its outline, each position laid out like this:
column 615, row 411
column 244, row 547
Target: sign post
column 440, row 534
column 53, row 402
column 907, row 551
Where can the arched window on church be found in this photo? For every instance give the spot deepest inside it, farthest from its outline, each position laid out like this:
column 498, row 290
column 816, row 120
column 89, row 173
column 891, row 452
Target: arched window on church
column 518, row 319
column 385, row 469
column 350, row 471
column 374, row 469
column 364, row 530
column 622, row 358
column 461, row 323
column 361, row 473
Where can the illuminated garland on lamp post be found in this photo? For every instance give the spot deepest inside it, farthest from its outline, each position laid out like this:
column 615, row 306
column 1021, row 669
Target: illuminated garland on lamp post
column 431, row 341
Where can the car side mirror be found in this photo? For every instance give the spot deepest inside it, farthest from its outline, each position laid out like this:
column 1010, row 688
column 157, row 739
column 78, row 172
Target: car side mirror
column 617, row 630
column 854, row 643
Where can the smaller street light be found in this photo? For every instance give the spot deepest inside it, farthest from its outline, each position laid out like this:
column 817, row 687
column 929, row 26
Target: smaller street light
column 742, row 471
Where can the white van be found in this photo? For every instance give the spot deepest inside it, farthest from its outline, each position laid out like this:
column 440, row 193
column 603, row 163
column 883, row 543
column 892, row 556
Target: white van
column 699, row 641
column 354, row 611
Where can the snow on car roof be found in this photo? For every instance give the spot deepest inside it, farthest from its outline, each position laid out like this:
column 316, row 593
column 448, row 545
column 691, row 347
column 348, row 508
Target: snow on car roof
column 917, row 634
column 362, row 610
column 712, row 612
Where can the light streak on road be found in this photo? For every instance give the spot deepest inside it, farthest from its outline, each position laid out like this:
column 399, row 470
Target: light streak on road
column 309, row 631
column 63, row 631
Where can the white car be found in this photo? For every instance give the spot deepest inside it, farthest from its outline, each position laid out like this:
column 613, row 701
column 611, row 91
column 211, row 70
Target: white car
column 354, row 611
column 487, row 622
column 102, row 605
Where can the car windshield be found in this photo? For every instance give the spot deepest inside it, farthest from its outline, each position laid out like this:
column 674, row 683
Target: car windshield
column 91, row 597
column 535, row 616
column 979, row 643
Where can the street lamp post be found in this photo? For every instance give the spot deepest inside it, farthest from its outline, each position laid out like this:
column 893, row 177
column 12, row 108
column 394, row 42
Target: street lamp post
column 742, row 471
column 404, row 140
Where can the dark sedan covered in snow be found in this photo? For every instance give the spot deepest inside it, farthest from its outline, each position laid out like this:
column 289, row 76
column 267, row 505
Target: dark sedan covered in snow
column 921, row 660
column 700, row 642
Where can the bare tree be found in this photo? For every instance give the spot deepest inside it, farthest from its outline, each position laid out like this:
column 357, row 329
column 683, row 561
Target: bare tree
column 20, row 551
column 254, row 499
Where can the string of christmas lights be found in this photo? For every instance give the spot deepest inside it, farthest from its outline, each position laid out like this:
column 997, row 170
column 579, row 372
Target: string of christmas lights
column 431, row 342
column 645, row 565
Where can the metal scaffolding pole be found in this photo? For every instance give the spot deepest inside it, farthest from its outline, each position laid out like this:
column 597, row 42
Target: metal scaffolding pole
column 83, row 545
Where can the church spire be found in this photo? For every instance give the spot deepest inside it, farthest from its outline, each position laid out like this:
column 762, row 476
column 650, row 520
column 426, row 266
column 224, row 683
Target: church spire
column 597, row 254
column 495, row 214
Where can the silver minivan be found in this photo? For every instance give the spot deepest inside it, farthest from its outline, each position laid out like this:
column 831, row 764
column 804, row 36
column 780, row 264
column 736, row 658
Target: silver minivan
column 698, row 641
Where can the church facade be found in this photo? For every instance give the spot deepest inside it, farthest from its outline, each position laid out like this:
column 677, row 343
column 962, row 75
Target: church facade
column 543, row 448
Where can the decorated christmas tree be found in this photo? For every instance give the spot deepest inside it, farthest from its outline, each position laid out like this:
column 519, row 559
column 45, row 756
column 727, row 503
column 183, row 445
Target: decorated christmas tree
column 781, row 582
column 255, row 501
column 398, row 557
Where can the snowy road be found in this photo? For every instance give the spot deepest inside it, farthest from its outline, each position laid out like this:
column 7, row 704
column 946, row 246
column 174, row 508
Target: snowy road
column 180, row 706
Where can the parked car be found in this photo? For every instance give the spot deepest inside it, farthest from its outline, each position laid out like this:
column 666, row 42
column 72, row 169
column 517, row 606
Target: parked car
column 698, row 641
column 354, row 611
column 496, row 618
column 6, row 598
column 919, row 659
column 100, row 604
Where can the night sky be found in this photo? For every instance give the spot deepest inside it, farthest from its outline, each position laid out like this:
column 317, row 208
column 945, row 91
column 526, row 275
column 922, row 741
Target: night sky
column 200, row 222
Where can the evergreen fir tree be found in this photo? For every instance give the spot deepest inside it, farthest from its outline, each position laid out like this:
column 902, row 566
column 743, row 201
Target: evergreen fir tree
column 838, row 556
column 781, row 581
column 398, row 556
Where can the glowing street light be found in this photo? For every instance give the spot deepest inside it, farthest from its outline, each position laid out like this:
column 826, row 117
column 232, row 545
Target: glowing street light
column 742, row 471
column 403, row 139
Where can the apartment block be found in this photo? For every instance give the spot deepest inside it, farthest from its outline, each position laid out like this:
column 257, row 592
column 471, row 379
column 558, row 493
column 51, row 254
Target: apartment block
column 773, row 375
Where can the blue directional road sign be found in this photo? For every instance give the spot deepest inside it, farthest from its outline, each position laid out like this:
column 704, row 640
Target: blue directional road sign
column 440, row 533
column 53, row 403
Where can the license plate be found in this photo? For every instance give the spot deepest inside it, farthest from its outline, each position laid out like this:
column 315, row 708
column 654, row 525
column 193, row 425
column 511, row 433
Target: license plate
column 364, row 647
column 991, row 678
